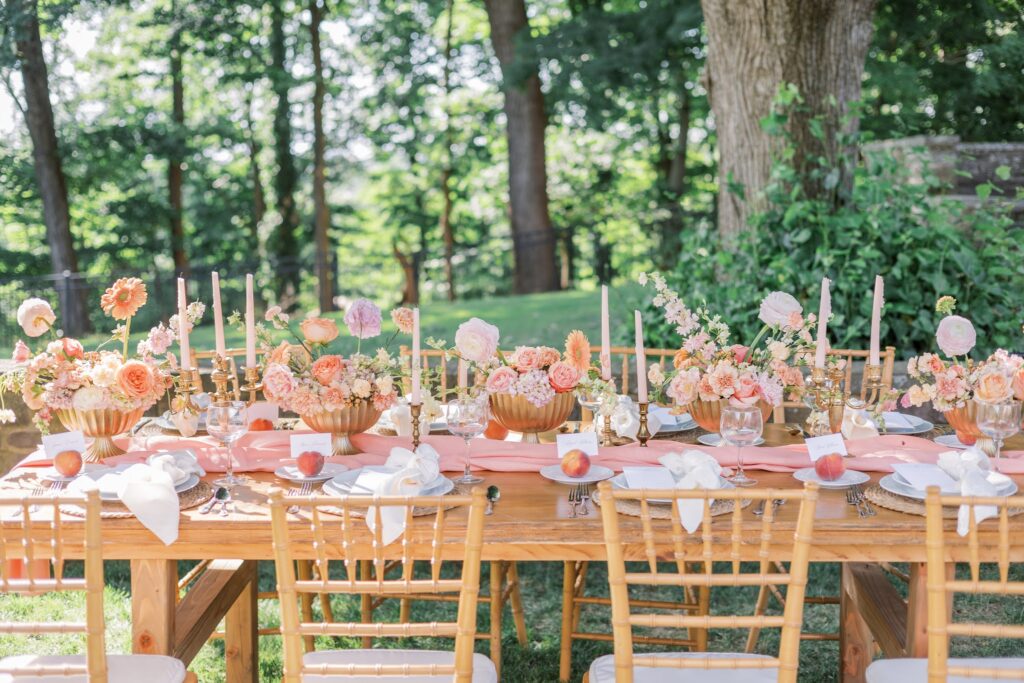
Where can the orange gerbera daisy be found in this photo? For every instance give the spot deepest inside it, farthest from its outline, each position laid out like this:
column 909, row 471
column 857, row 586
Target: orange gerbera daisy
column 124, row 298
column 577, row 350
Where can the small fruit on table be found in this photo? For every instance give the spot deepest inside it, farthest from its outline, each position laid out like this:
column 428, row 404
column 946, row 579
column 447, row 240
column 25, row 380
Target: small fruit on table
column 261, row 424
column 830, row 467
column 575, row 463
column 68, row 463
column 310, row 463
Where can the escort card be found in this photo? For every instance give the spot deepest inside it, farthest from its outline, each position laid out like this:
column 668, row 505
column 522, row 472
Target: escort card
column 649, row 478
column 65, row 441
column 922, row 475
column 818, row 446
column 262, row 410
column 318, row 443
column 585, row 441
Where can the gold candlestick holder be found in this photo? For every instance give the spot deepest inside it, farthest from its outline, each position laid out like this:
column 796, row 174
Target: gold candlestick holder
column 220, row 377
column 414, row 413
column 252, row 384
column 643, row 434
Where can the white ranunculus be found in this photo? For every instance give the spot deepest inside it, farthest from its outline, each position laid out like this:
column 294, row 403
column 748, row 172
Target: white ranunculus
column 777, row 308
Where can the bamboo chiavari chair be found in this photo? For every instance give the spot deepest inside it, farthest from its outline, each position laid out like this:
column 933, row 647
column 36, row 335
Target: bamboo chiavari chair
column 348, row 540
column 32, row 540
column 942, row 586
column 624, row 666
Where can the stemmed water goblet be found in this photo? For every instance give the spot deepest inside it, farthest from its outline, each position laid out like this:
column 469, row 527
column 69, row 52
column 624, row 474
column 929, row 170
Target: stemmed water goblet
column 467, row 417
column 998, row 420
column 225, row 421
column 741, row 426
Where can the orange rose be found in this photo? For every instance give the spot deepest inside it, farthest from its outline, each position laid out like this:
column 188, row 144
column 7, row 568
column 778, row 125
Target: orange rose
column 136, row 379
column 327, row 368
column 993, row 386
column 319, row 330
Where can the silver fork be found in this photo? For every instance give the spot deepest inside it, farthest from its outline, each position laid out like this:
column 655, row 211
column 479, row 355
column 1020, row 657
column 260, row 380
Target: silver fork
column 305, row 490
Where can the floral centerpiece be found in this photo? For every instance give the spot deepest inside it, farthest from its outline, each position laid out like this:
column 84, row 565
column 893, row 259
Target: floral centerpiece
column 342, row 396
column 103, row 392
column 709, row 370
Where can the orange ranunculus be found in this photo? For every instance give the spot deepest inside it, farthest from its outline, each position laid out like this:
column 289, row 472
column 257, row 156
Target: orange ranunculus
column 327, row 368
column 135, row 378
column 124, row 298
column 319, row 330
column 577, row 351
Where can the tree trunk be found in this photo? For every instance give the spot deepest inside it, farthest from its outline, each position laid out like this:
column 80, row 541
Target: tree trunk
column 48, row 170
column 536, row 268
column 321, row 219
column 284, row 243
column 818, row 45
column 447, row 232
column 175, row 161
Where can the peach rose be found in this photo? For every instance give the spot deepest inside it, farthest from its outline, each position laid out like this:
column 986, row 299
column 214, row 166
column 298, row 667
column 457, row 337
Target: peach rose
column 502, row 380
column 135, row 378
column 993, row 386
column 563, row 377
column 319, row 330
column 326, row 368
column 527, row 358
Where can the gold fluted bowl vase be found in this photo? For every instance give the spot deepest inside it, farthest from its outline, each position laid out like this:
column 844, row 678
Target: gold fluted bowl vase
column 964, row 422
column 516, row 414
column 342, row 424
column 708, row 414
column 102, row 426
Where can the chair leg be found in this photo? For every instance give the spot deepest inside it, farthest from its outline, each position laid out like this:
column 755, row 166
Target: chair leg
column 366, row 603
column 516, row 598
column 568, row 609
column 497, row 608
column 304, row 572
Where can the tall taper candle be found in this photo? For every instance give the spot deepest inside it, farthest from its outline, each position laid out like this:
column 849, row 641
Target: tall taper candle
column 876, row 320
column 218, row 316
column 641, row 360
column 606, row 337
column 416, row 399
column 250, row 324
column 183, row 348
column 824, row 311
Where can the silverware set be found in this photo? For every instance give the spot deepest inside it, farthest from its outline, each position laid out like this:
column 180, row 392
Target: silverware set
column 304, row 490
column 579, row 500
column 855, row 497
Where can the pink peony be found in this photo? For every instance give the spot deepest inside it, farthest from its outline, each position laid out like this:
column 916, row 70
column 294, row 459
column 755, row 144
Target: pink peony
column 502, row 381
column 21, row 352
column 35, row 317
column 527, row 358
column 563, row 376
column 955, row 336
column 476, row 340
column 278, row 382
column 403, row 319
column 363, row 319
column 683, row 387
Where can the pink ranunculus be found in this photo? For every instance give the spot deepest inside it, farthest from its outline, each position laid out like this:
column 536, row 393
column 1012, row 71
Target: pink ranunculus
column 326, row 368
column 403, row 319
column 502, row 380
column 35, row 317
column 21, row 352
column 739, row 352
column 527, row 358
column 778, row 308
column 683, row 387
column 955, row 336
column 363, row 319
column 563, row 376
column 476, row 340
column 323, row 331
column 278, row 382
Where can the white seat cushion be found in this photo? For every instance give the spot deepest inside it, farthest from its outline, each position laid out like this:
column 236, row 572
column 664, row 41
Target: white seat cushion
column 120, row 669
column 483, row 668
column 602, row 670
column 913, row 670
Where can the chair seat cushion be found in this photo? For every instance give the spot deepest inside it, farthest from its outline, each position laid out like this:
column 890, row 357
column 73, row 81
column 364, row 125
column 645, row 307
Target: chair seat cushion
column 913, row 670
column 483, row 668
column 120, row 669
column 602, row 670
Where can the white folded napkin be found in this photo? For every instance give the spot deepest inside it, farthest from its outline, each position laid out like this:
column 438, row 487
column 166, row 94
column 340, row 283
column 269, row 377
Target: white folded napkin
column 626, row 419
column 180, row 465
column 415, row 470
column 972, row 468
column 147, row 491
column 857, row 424
column 693, row 470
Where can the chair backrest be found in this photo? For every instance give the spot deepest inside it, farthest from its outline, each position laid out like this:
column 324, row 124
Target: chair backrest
column 942, row 587
column 344, row 536
column 887, row 357
column 671, row 542
column 24, row 537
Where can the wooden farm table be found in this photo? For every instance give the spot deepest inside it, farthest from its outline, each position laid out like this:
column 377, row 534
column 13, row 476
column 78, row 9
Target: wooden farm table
column 530, row 523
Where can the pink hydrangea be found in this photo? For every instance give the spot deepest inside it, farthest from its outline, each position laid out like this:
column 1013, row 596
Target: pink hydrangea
column 363, row 319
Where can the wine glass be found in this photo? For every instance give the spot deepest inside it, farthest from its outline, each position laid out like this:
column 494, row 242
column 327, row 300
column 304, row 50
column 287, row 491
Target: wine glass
column 998, row 421
column 226, row 422
column 741, row 426
column 467, row 417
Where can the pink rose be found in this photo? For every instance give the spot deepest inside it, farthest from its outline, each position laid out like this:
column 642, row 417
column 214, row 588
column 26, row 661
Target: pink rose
column 278, row 382
column 35, row 317
column 363, row 319
column 502, row 380
column 955, row 336
column 135, row 379
column 403, row 319
column 322, row 330
column 476, row 340
column 527, row 358
column 21, row 352
column 326, row 368
column 683, row 387
column 563, row 376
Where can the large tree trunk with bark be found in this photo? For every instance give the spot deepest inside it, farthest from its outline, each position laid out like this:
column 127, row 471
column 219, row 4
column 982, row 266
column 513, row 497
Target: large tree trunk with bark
column 321, row 218
column 817, row 45
column 536, row 268
column 48, row 169
column 175, row 161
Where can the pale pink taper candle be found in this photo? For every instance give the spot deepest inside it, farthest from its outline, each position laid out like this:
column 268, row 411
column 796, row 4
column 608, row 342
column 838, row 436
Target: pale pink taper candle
column 824, row 311
column 218, row 317
column 876, row 321
column 463, row 374
column 606, row 337
column 641, row 360
column 183, row 348
column 416, row 356
column 250, row 324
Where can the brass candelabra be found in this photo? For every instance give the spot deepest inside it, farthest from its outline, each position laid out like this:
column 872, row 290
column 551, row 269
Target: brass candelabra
column 643, row 434
column 252, row 384
column 414, row 413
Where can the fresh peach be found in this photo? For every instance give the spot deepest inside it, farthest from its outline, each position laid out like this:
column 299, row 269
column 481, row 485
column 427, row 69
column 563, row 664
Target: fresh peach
column 68, row 463
column 575, row 463
column 310, row 463
column 830, row 467
column 261, row 424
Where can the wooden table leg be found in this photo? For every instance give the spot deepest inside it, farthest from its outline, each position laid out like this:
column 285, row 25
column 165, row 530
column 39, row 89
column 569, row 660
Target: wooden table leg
column 856, row 646
column 154, row 601
column 241, row 626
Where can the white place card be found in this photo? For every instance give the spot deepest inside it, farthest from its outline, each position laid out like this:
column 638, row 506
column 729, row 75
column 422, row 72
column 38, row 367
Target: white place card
column 898, row 420
column 262, row 410
column 649, row 478
column 584, row 441
column 65, row 441
column 818, row 446
column 923, row 475
column 318, row 443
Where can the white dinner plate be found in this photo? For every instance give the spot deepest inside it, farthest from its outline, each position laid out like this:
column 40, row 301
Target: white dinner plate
column 893, row 485
column 849, row 478
column 619, row 482
column 950, row 441
column 291, row 473
column 51, row 474
column 597, row 473
column 918, row 426
column 716, row 439
column 341, row 485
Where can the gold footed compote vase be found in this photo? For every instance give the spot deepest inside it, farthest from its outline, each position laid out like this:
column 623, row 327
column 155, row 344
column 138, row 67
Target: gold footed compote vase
column 516, row 414
column 965, row 422
column 102, row 426
column 342, row 424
